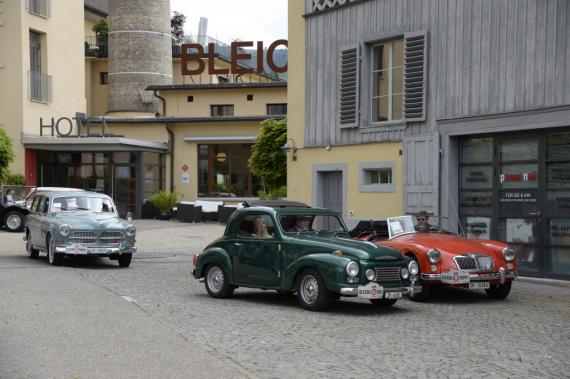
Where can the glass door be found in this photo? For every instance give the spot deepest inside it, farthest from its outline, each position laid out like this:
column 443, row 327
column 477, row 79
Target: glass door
column 124, row 189
column 519, row 217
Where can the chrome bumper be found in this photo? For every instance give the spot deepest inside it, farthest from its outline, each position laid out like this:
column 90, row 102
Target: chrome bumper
column 501, row 276
column 353, row 291
column 68, row 250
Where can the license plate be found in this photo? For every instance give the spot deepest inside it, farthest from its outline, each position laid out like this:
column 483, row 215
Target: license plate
column 371, row 291
column 97, row 250
column 479, row 285
column 455, row 277
column 393, row 295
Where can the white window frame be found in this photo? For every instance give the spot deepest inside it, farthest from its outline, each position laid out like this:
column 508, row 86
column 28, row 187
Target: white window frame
column 383, row 187
column 373, row 96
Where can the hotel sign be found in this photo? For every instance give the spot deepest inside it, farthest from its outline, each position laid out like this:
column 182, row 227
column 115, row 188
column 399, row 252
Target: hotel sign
column 236, row 56
column 66, row 127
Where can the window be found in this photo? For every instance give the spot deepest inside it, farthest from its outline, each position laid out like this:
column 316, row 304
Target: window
column 40, row 8
column 222, row 110
column 276, row 109
column 223, row 79
column 250, row 97
column 377, row 177
column 223, row 171
column 39, row 83
column 104, row 78
column 256, row 226
column 190, row 99
column 388, row 81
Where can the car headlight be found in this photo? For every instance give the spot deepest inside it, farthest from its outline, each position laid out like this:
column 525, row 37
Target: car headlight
column 433, row 256
column 352, row 269
column 508, row 254
column 404, row 273
column 131, row 231
column 64, row 230
column 370, row 274
column 413, row 268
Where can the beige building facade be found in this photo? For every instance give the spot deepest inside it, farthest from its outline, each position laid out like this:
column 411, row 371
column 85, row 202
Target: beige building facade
column 197, row 143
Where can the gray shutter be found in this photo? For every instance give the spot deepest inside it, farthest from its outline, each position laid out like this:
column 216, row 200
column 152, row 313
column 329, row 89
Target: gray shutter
column 415, row 48
column 349, row 87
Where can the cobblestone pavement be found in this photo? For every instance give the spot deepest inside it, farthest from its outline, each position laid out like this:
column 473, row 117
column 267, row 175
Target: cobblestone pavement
column 457, row 333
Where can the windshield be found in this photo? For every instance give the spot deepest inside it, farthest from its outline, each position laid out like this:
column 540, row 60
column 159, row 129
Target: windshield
column 400, row 225
column 82, row 204
column 312, row 223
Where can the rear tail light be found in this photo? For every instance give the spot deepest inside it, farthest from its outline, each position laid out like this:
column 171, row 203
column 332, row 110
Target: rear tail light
column 194, row 258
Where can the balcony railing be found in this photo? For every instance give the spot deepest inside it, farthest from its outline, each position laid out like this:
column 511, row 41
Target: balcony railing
column 41, row 8
column 96, row 46
column 40, row 87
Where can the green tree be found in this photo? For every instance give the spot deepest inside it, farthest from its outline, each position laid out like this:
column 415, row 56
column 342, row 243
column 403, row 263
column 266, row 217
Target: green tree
column 6, row 154
column 101, row 29
column 268, row 161
column 177, row 26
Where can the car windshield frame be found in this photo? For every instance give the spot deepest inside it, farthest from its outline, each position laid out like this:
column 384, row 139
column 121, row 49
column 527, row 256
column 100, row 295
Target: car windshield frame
column 286, row 231
column 399, row 226
column 55, row 208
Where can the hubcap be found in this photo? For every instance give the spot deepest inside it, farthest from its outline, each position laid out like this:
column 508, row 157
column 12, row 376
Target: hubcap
column 215, row 279
column 309, row 289
column 13, row 222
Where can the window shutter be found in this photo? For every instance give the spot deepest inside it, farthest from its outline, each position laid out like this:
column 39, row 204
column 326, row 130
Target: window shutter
column 349, row 87
column 415, row 76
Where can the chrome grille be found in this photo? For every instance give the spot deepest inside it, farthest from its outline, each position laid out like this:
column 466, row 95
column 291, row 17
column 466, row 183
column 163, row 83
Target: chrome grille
column 112, row 237
column 83, row 237
column 387, row 273
column 474, row 262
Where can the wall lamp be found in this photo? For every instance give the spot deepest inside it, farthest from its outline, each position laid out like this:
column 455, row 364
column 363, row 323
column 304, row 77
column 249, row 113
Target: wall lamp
column 291, row 147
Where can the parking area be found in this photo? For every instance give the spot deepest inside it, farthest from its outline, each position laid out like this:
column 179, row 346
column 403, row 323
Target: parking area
column 258, row 333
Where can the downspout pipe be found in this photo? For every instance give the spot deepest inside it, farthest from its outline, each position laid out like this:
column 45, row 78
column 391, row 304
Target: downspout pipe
column 170, row 141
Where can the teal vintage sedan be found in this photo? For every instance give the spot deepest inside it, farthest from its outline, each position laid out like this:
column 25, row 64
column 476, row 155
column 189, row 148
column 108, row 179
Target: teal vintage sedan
column 304, row 250
column 78, row 224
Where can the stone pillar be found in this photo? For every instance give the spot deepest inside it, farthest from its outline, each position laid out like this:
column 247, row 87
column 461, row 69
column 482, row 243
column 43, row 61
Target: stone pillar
column 140, row 53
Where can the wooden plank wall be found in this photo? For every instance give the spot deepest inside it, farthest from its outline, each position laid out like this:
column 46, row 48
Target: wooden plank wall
column 484, row 57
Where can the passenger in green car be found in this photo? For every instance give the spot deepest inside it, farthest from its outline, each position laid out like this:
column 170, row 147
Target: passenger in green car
column 260, row 228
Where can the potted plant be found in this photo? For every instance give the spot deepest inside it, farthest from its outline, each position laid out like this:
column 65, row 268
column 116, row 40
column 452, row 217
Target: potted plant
column 164, row 201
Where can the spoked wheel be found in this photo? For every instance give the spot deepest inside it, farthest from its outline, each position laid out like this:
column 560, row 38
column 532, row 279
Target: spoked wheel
column 217, row 282
column 125, row 260
column 54, row 258
column 32, row 253
column 311, row 291
column 383, row 302
column 14, row 221
column 499, row 292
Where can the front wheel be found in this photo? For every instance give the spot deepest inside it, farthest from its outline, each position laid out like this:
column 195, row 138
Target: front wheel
column 217, row 282
column 312, row 292
column 383, row 302
column 499, row 292
column 125, row 259
column 54, row 258
column 14, row 221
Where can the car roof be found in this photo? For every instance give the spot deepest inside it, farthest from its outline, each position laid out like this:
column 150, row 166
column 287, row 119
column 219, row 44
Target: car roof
column 57, row 189
column 275, row 204
column 75, row 193
column 287, row 210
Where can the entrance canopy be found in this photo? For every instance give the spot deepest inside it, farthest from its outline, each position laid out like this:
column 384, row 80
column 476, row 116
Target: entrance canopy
column 93, row 144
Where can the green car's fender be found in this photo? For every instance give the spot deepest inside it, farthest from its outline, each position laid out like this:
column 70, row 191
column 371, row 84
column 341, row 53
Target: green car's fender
column 214, row 255
column 331, row 267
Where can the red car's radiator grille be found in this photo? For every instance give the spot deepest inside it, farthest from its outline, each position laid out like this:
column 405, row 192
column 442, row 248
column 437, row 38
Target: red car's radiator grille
column 387, row 273
column 474, row 262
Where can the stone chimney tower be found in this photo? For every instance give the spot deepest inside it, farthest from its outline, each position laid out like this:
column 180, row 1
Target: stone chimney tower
column 140, row 53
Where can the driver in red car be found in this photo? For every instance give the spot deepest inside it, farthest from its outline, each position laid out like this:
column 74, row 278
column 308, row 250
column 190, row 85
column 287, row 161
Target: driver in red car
column 423, row 225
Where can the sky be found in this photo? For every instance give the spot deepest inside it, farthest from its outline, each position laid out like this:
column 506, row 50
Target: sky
column 228, row 20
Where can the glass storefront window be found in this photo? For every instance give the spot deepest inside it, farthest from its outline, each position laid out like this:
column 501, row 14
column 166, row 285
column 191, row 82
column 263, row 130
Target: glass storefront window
column 558, row 202
column 559, row 258
column 559, row 232
column 223, row 171
column 558, row 175
column 477, row 228
column 477, row 177
column 558, row 146
column 524, row 175
column 476, row 203
column 521, row 150
column 124, row 157
column 518, row 230
column 477, row 150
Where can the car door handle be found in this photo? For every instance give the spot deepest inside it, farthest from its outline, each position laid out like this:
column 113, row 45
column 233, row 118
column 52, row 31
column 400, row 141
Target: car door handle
column 238, row 244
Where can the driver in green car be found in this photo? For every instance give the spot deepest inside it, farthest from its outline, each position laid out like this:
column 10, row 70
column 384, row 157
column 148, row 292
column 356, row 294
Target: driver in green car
column 302, row 224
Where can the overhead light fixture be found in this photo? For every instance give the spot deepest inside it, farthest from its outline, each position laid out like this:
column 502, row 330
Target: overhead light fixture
column 291, row 147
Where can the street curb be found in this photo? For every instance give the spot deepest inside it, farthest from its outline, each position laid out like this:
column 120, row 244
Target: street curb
column 549, row 282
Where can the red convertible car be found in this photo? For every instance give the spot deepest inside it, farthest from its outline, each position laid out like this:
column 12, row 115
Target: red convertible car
column 447, row 259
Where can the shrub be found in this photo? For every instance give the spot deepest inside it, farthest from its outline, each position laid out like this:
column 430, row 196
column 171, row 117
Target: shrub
column 164, row 200
column 15, row 179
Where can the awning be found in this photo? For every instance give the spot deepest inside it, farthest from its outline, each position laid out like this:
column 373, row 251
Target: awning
column 92, row 144
column 219, row 138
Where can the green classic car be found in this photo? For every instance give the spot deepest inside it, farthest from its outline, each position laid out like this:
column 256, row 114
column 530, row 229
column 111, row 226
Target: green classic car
column 304, row 250
column 78, row 224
